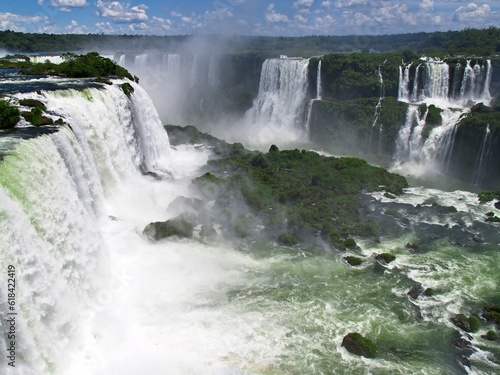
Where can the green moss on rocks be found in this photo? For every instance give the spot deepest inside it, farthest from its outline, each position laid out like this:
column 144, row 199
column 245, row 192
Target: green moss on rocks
column 385, row 258
column 353, row 261
column 127, row 88
column 179, row 226
column 359, row 345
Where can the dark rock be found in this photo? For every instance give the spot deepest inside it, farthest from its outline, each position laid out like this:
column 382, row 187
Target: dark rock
column 412, row 247
column 359, row 345
column 468, row 324
column 464, row 345
column 180, row 226
column 353, row 261
column 497, row 205
column 416, row 291
column 490, row 336
column 384, row 258
column 478, row 238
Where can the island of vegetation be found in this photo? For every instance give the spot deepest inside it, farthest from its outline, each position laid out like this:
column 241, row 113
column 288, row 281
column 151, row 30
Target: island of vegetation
column 291, row 196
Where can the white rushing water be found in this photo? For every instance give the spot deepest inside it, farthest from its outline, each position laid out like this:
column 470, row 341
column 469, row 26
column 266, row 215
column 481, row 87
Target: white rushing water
column 279, row 112
column 424, row 149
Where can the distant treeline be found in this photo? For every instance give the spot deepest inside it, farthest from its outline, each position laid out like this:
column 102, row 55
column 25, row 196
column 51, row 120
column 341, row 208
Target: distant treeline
column 481, row 42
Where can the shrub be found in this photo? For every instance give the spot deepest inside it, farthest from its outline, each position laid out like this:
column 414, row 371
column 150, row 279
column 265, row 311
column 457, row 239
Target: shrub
column 9, row 115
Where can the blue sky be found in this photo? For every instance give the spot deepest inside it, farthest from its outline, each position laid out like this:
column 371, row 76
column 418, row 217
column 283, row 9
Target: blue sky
column 247, row 17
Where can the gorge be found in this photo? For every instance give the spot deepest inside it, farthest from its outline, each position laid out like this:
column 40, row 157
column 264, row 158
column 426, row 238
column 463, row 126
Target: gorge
column 95, row 296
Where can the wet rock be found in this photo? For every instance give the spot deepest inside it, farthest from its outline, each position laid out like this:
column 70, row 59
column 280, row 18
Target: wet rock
column 359, row 345
column 468, row 324
column 412, row 247
column 464, row 345
column 478, row 238
column 416, row 291
column 384, row 258
column 181, row 226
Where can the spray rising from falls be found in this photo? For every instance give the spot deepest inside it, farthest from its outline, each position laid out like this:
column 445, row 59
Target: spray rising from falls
column 437, row 100
column 280, row 109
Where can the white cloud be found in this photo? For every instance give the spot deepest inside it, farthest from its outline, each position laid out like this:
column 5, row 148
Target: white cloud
column 300, row 18
column 16, row 22
column 105, row 27
column 69, row 3
column 75, row 28
column 427, row 4
column 326, row 4
column 162, row 23
column 272, row 16
column 218, row 14
column 301, row 4
column 138, row 27
column 350, row 3
column 436, row 20
column 471, row 12
column 122, row 12
column 175, row 14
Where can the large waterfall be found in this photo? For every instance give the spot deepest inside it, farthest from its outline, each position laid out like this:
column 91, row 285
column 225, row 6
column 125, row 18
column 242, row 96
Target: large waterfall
column 280, row 109
column 433, row 85
column 53, row 194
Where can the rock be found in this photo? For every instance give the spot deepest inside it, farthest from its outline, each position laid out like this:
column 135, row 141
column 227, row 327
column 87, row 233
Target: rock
column 412, row 247
column 416, row 291
column 464, row 345
column 180, row 226
column 353, row 261
column 468, row 324
column 359, row 345
column 384, row 258
column 478, row 239
column 490, row 336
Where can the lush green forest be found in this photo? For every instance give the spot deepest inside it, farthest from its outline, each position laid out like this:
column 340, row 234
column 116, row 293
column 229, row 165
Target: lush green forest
column 468, row 41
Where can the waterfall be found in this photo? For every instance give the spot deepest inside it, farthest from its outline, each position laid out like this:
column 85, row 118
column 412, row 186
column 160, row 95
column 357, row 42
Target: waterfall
column 481, row 164
column 318, row 82
column 213, row 72
column 378, row 107
column 280, row 106
column 451, row 93
column 52, row 190
column 437, row 80
column 173, row 65
column 194, row 72
column 414, row 96
column 404, row 83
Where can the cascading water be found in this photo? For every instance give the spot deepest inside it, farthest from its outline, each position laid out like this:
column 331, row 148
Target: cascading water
column 378, row 107
column 96, row 297
column 451, row 93
column 319, row 88
column 280, row 109
column 481, row 165
column 404, row 83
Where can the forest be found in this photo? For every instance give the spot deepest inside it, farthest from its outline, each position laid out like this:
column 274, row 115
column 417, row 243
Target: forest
column 483, row 42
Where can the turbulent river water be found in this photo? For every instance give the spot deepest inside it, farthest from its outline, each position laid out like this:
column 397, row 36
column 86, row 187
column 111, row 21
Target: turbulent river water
column 94, row 296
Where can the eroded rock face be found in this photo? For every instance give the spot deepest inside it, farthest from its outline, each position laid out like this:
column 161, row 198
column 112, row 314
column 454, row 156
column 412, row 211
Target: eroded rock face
column 359, row 345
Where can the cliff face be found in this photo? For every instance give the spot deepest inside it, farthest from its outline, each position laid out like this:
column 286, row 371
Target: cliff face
column 360, row 114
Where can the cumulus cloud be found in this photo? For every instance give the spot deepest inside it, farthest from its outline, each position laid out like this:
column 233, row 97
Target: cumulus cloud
column 104, row 27
column 272, row 16
column 350, row 3
column 16, row 22
column 427, row 4
column 300, row 18
column 303, row 4
column 162, row 23
column 75, row 28
column 471, row 12
column 65, row 5
column 122, row 11
column 326, row 4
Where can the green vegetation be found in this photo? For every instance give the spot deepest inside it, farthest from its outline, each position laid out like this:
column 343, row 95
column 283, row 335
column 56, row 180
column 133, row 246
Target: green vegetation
column 491, row 336
column 481, row 42
column 298, row 193
column 9, row 115
column 353, row 261
column 488, row 195
column 179, row 226
column 385, row 258
column 75, row 66
column 127, row 88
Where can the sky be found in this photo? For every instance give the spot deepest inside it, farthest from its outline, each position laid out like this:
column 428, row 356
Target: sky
column 246, row 17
